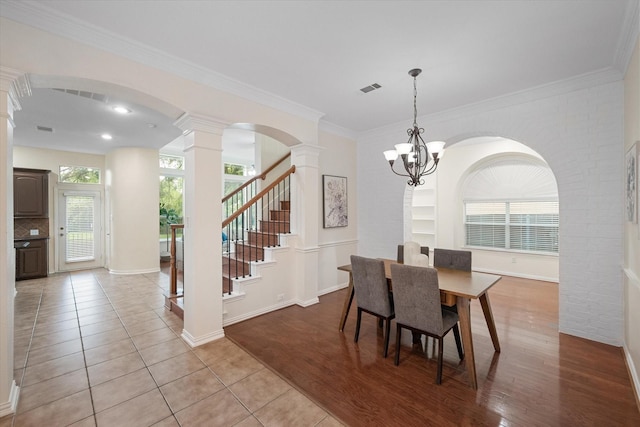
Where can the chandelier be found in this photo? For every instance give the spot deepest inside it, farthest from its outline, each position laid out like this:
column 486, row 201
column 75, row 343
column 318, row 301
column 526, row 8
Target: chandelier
column 418, row 158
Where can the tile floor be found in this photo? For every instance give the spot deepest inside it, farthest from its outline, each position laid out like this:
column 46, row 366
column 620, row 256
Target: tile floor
column 92, row 348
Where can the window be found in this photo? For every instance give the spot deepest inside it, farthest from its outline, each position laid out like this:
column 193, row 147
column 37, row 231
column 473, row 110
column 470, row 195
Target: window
column 530, row 226
column 233, row 169
column 512, row 203
column 171, row 190
column 79, row 175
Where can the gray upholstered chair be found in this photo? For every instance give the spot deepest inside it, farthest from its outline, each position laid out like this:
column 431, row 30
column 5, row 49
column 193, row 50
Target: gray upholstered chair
column 450, row 258
column 416, row 297
column 423, row 250
column 372, row 293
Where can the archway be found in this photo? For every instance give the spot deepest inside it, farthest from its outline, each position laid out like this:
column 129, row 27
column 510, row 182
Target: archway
column 434, row 215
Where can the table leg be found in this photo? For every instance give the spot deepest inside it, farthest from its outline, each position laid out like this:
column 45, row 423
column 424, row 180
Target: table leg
column 488, row 316
column 347, row 304
column 464, row 314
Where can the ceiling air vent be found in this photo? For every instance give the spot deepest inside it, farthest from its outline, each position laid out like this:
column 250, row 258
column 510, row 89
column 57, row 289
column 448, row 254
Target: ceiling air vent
column 369, row 88
column 44, row 129
column 90, row 95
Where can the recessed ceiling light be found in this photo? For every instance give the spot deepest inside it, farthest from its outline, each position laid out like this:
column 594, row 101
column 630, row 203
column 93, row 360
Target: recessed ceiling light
column 106, row 137
column 120, row 109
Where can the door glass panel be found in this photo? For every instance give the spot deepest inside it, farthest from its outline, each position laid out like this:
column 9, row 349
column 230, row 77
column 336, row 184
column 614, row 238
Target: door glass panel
column 80, row 245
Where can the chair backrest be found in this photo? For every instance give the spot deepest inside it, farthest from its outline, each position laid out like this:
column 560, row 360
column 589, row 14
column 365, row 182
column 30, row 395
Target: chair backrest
column 400, row 258
column 420, row 260
column 450, row 258
column 370, row 285
column 416, row 297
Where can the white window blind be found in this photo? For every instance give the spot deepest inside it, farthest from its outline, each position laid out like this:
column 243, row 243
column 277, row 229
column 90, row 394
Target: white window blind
column 80, row 243
column 515, row 225
column 511, row 203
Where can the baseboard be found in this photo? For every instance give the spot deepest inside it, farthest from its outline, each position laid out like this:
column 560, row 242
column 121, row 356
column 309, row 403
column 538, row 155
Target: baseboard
column 195, row 342
column 635, row 379
column 9, row 407
column 126, row 272
column 256, row 313
column 333, row 289
column 522, row 276
column 308, row 303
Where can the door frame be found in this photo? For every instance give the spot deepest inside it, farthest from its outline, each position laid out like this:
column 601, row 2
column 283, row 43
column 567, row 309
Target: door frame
column 99, row 228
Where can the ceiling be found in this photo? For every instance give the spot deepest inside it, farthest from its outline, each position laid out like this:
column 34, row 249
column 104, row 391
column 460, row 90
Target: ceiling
column 319, row 54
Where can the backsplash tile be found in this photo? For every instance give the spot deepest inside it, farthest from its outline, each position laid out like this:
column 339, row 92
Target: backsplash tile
column 22, row 227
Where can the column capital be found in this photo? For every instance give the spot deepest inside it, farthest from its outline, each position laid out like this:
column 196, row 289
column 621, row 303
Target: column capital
column 16, row 83
column 189, row 122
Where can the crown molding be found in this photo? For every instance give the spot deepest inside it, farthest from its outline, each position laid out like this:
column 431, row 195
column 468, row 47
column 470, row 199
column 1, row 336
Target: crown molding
column 329, row 127
column 38, row 15
column 628, row 36
column 583, row 81
column 16, row 83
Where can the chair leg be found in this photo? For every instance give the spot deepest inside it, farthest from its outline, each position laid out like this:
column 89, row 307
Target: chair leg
column 359, row 317
column 456, row 335
column 387, row 332
column 440, row 351
column 398, row 335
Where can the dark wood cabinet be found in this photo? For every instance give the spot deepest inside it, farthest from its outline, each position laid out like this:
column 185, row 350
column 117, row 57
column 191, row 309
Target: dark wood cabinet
column 31, row 258
column 30, row 193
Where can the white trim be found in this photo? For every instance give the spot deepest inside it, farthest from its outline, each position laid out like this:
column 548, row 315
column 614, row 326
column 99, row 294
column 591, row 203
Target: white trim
column 632, row 277
column 309, row 302
column 520, row 275
column 252, row 314
column 334, row 129
column 338, row 243
column 333, row 289
column 9, row 407
column 128, row 272
column 195, row 342
column 635, row 379
column 628, row 36
column 38, row 15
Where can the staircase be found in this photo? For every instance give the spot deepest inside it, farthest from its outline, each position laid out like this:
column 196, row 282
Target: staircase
column 257, row 225
column 237, row 263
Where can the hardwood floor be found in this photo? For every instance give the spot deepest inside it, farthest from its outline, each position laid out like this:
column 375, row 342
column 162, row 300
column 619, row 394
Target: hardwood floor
column 540, row 378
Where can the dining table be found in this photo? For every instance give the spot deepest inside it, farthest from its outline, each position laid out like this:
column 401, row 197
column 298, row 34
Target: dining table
column 457, row 288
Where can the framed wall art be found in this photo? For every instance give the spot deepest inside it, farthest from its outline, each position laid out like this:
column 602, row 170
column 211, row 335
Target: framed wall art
column 631, row 183
column 334, row 192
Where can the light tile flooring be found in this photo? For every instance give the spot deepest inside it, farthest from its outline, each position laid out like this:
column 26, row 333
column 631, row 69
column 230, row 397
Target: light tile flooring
column 92, row 348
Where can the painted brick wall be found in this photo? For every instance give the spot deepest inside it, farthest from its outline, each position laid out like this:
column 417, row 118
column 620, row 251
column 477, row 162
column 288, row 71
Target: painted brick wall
column 578, row 130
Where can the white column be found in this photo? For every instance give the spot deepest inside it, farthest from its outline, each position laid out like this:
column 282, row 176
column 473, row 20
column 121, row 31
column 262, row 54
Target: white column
column 202, row 229
column 306, row 219
column 9, row 89
column 131, row 172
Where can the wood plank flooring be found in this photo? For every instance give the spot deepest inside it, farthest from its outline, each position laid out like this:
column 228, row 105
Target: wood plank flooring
column 541, row 377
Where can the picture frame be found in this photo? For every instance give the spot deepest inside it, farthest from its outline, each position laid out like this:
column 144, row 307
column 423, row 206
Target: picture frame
column 335, row 207
column 631, row 183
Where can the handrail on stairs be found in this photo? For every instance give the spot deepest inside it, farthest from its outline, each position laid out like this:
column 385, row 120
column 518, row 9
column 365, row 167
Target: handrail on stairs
column 255, row 225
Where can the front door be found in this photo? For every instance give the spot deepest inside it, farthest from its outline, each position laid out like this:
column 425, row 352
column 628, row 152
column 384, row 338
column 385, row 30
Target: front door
column 79, row 230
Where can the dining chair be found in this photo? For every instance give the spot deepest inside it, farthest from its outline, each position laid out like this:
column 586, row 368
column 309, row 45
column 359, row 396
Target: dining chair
column 455, row 260
column 400, row 257
column 451, row 258
column 416, row 297
column 372, row 293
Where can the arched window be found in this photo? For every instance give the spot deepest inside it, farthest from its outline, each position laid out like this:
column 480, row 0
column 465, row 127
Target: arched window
column 512, row 204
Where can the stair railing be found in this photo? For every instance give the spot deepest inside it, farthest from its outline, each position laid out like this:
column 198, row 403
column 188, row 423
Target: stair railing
column 248, row 190
column 173, row 266
column 247, row 231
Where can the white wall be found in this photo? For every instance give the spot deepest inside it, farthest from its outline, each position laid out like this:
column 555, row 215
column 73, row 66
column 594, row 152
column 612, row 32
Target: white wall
column 576, row 127
column 632, row 231
column 338, row 158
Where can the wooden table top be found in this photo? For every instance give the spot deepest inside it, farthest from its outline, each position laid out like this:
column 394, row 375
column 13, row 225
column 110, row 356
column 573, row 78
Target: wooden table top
column 469, row 284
